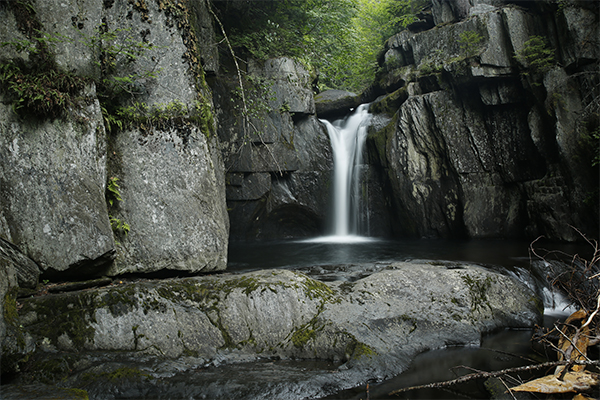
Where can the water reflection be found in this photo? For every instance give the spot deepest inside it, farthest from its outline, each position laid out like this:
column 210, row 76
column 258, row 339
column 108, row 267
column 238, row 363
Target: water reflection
column 245, row 256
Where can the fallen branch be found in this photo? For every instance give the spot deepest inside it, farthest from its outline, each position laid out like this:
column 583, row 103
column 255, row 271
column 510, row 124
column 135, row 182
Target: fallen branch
column 494, row 374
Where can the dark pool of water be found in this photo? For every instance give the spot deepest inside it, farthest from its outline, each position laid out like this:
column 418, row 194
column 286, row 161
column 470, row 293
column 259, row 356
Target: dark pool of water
column 247, row 256
column 498, row 351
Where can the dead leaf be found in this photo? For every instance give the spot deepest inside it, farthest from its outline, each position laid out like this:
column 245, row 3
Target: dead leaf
column 572, row 382
column 577, row 337
column 581, row 397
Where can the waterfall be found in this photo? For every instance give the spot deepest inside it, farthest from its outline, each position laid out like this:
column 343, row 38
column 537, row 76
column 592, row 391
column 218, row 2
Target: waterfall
column 348, row 137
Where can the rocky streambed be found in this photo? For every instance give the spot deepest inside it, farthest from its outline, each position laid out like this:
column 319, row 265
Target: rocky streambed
column 273, row 333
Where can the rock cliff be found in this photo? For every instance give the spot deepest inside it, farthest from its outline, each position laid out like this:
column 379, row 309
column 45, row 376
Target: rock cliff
column 122, row 175
column 277, row 154
column 483, row 134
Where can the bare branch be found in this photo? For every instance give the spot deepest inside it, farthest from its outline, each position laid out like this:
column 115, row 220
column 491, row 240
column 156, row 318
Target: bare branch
column 470, row 377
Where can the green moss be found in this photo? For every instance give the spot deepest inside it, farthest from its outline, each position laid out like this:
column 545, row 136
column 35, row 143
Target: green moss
column 538, row 303
column 478, row 288
column 390, row 103
column 119, row 374
column 317, row 290
column 78, row 394
column 70, row 314
column 10, row 306
column 302, row 336
column 356, row 349
column 379, row 141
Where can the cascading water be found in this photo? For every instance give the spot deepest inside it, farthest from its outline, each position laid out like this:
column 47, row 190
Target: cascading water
column 348, row 137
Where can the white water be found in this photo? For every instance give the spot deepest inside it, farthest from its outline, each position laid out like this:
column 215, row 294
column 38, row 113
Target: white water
column 347, row 137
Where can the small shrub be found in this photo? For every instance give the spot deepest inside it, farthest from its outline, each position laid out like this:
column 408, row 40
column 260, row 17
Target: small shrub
column 43, row 93
column 469, row 43
column 536, row 55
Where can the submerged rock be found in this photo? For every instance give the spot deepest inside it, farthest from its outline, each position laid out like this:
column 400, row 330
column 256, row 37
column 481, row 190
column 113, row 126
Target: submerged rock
column 370, row 328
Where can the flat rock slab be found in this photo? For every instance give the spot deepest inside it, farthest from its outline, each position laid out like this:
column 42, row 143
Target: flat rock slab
column 335, row 103
column 370, row 328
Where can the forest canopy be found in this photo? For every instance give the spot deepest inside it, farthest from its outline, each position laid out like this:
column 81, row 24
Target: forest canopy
column 340, row 39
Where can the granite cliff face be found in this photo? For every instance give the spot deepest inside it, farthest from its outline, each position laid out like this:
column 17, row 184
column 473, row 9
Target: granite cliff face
column 168, row 168
column 279, row 160
column 475, row 140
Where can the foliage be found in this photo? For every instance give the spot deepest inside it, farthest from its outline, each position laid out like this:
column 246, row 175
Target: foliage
column 161, row 115
column 115, row 52
column 536, row 55
column 113, row 195
column 341, row 39
column 44, row 93
column 39, row 88
column 112, row 191
column 469, row 43
column 119, row 227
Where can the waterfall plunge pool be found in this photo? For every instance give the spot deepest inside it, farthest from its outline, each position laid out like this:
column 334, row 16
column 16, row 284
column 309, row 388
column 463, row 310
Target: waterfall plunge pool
column 346, row 255
column 332, row 258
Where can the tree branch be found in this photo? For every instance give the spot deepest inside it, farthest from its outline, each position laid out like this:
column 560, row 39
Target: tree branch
column 494, row 374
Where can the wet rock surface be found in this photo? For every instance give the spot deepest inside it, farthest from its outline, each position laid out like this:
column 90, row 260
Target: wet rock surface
column 155, row 336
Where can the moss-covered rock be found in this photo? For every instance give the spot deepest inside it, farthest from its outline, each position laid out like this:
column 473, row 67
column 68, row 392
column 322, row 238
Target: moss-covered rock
column 373, row 325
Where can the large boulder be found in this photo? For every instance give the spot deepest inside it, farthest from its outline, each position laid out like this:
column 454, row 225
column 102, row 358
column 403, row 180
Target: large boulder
column 170, row 175
column 53, row 178
column 374, row 325
column 173, row 198
column 332, row 104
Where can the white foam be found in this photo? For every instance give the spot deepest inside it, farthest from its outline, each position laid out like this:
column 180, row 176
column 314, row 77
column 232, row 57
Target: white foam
column 340, row 239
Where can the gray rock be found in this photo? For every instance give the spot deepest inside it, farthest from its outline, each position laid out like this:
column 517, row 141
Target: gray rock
column 445, row 11
column 374, row 326
column 15, row 343
column 477, row 149
column 252, row 187
column 291, row 84
column 175, row 204
column 41, row 391
column 332, row 104
column 53, row 178
column 290, row 144
column 297, row 202
column 173, row 192
column 27, row 271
